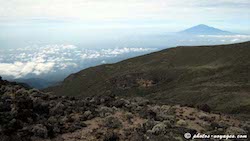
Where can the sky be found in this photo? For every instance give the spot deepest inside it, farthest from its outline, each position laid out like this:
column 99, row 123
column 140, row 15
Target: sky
column 44, row 38
column 174, row 14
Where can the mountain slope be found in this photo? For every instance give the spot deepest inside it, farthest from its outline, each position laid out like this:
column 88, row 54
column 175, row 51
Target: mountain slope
column 30, row 115
column 204, row 30
column 216, row 75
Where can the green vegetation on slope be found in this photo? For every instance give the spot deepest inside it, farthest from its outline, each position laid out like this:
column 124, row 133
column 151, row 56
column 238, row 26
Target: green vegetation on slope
column 216, row 75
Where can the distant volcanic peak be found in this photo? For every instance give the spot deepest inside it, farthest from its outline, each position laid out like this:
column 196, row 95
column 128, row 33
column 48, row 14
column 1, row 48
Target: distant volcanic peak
column 202, row 25
column 203, row 29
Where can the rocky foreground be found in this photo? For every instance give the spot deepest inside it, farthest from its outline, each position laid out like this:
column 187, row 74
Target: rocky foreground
column 28, row 114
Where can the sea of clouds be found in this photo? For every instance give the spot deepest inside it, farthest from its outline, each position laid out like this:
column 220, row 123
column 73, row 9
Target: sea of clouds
column 42, row 59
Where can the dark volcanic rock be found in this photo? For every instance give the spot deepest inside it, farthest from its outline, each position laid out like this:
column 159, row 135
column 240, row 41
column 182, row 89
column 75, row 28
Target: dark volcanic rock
column 111, row 137
column 40, row 130
column 204, row 107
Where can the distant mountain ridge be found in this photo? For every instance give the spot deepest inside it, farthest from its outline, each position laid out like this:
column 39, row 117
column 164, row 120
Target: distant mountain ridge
column 203, row 29
column 215, row 75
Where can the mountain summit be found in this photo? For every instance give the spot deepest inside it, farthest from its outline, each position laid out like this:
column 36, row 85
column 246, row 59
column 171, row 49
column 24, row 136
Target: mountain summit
column 203, row 29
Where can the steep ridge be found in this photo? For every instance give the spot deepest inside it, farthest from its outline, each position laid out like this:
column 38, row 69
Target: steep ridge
column 214, row 75
column 31, row 115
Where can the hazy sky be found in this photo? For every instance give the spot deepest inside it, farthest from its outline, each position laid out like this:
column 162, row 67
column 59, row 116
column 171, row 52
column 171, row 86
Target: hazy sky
column 33, row 33
column 227, row 14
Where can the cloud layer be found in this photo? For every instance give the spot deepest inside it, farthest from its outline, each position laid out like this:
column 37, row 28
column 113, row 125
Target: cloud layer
column 38, row 60
column 227, row 38
column 20, row 69
column 222, row 12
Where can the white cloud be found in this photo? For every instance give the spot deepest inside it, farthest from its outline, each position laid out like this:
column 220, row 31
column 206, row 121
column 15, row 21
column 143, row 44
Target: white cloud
column 41, row 68
column 212, row 39
column 69, row 47
column 33, row 59
column 103, row 62
column 235, row 40
column 20, row 69
column 227, row 36
column 44, row 59
column 88, row 54
column 66, row 65
column 118, row 51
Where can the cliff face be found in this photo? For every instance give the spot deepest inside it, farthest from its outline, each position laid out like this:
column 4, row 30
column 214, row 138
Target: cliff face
column 28, row 114
column 218, row 76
